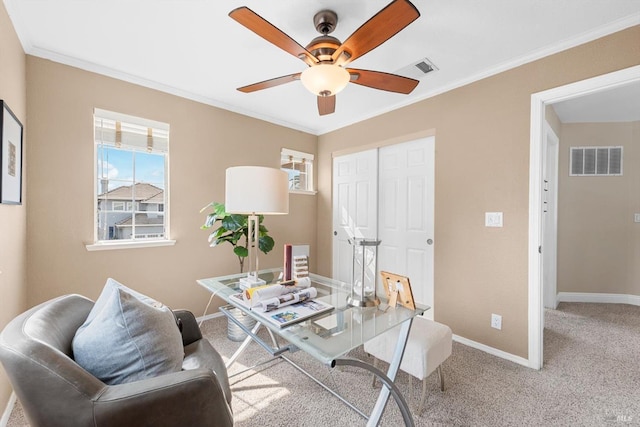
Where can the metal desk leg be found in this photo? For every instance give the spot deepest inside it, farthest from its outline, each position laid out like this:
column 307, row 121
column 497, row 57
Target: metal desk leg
column 378, row 409
column 394, row 390
column 243, row 346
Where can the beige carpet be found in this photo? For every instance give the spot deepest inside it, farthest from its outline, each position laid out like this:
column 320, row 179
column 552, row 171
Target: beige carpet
column 591, row 378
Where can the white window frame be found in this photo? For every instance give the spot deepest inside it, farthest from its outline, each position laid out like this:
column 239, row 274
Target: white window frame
column 118, row 206
column 287, row 155
column 133, row 139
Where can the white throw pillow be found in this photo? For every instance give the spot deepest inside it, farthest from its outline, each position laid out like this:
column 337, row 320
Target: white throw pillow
column 128, row 337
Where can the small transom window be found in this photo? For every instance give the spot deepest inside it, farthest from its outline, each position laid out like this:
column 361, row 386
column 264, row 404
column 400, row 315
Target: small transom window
column 299, row 167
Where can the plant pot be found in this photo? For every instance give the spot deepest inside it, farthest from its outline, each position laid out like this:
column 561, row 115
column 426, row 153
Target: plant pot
column 234, row 332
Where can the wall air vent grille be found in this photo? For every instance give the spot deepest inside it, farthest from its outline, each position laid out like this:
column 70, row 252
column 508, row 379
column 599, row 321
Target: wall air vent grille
column 595, row 161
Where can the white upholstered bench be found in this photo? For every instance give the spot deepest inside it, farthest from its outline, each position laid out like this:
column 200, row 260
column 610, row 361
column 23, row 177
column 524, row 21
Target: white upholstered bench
column 429, row 345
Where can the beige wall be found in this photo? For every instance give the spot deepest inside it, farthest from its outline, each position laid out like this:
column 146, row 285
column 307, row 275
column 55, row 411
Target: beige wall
column 204, row 141
column 598, row 242
column 13, row 219
column 482, row 164
column 552, row 119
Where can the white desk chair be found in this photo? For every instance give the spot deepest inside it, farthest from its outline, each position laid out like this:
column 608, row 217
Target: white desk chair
column 429, row 345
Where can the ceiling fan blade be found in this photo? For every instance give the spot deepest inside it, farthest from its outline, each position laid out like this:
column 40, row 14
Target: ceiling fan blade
column 377, row 30
column 326, row 104
column 269, row 32
column 269, row 83
column 383, row 81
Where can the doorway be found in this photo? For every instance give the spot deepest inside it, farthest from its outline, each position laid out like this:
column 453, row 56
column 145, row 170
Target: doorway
column 387, row 194
column 537, row 166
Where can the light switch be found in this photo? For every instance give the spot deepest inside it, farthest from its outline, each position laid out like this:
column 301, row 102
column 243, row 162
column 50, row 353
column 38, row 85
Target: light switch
column 493, row 219
column 636, row 217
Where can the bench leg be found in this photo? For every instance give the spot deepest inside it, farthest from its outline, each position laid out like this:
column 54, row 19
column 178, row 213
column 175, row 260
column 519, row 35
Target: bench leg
column 423, row 396
column 440, row 378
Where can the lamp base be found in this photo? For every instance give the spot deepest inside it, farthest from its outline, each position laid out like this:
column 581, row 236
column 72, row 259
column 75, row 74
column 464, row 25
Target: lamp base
column 355, row 301
column 251, row 282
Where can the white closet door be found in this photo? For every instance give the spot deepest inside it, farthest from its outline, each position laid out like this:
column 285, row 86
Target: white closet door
column 355, row 206
column 406, row 214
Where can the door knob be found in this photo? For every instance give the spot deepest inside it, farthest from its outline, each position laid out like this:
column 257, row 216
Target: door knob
column 335, row 233
column 429, row 241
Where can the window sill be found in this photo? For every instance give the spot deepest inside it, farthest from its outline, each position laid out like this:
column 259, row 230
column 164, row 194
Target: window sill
column 128, row 245
column 310, row 193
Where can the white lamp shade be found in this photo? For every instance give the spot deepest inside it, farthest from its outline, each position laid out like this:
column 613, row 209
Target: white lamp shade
column 256, row 190
column 325, row 79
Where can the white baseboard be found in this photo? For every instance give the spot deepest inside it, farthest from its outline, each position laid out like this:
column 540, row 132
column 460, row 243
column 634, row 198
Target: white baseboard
column 7, row 411
column 598, row 298
column 493, row 351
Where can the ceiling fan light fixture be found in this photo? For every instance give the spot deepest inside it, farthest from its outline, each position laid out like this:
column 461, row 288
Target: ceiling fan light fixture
column 325, row 79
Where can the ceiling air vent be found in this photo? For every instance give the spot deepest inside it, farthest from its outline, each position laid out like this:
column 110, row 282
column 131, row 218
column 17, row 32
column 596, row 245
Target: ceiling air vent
column 418, row 69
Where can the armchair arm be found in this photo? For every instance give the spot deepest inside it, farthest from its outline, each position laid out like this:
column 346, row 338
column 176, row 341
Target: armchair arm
column 190, row 329
column 189, row 398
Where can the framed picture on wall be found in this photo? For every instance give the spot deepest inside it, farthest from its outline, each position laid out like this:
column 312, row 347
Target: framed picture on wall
column 10, row 157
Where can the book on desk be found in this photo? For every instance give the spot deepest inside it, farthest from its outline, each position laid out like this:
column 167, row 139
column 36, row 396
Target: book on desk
column 286, row 309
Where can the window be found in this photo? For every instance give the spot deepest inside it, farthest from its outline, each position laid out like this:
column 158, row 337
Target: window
column 299, row 167
column 595, row 161
column 131, row 171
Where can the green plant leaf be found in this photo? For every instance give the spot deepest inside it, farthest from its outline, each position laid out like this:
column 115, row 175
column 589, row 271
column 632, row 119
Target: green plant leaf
column 207, row 207
column 241, row 251
column 234, row 222
column 219, row 210
column 265, row 244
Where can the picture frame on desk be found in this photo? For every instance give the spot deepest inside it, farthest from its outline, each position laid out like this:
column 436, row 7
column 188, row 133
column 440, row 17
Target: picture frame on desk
column 10, row 157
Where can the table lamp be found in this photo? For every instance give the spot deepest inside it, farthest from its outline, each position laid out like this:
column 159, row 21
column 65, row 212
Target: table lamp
column 254, row 191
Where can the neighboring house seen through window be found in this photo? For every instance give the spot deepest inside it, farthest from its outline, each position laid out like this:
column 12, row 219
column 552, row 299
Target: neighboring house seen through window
column 131, row 169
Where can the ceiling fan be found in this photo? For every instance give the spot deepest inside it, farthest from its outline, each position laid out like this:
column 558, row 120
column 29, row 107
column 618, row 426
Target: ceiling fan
column 327, row 57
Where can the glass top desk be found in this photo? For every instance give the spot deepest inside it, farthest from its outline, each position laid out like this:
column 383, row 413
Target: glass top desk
column 329, row 336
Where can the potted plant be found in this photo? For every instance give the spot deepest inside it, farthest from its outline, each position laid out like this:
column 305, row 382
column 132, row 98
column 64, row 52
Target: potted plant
column 233, row 228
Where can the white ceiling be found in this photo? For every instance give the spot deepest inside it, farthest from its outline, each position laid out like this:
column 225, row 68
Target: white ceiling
column 620, row 104
column 191, row 48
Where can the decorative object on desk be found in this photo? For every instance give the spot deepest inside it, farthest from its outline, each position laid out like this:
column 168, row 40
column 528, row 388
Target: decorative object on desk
column 363, row 274
column 253, row 296
column 287, row 262
column 398, row 290
column 255, row 191
column 300, row 267
column 10, row 157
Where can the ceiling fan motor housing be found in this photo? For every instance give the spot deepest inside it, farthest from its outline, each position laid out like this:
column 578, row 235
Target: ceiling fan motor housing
column 322, row 47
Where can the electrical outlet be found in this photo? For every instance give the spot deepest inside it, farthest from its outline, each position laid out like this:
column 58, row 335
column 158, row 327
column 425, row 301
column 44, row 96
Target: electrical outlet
column 636, row 217
column 496, row 321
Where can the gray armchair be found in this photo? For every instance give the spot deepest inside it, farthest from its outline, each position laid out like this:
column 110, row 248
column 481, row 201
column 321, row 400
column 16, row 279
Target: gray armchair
column 35, row 349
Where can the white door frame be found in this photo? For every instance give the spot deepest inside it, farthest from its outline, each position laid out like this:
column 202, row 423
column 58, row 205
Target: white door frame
column 538, row 103
column 549, row 268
